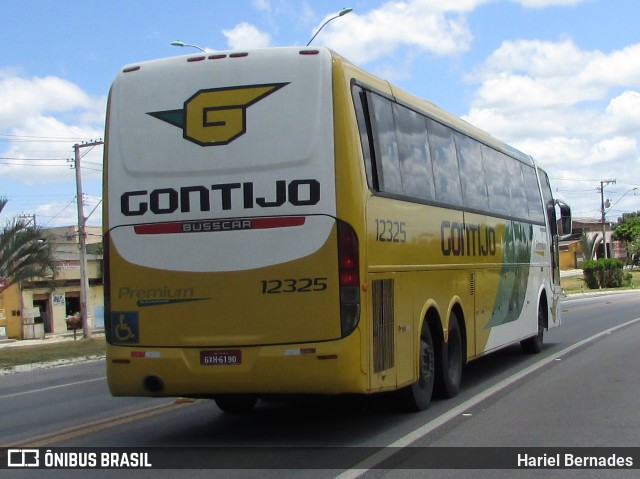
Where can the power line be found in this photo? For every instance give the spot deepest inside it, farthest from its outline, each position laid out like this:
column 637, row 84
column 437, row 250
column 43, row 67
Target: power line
column 37, row 139
column 558, row 178
column 31, row 159
column 62, row 211
column 13, row 163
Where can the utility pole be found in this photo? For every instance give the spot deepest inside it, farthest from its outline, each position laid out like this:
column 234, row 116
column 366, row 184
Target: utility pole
column 604, row 232
column 82, row 239
column 30, row 218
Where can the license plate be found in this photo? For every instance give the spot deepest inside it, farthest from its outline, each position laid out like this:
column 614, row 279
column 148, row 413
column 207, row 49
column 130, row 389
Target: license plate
column 221, row 358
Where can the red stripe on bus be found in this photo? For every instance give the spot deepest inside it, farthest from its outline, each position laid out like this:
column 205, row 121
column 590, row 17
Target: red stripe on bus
column 255, row 224
column 284, row 222
column 158, row 228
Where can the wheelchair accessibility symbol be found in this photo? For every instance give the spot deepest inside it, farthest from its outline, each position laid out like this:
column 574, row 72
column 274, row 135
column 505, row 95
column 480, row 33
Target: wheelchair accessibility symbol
column 124, row 327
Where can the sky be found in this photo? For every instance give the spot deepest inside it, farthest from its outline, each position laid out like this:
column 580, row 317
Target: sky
column 557, row 79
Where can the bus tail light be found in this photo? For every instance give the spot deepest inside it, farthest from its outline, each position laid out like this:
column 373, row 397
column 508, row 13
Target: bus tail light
column 348, row 263
column 349, row 273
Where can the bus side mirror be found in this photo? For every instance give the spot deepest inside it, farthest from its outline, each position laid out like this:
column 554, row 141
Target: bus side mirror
column 565, row 220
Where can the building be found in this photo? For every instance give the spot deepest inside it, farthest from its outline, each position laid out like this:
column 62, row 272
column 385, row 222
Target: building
column 31, row 309
column 571, row 255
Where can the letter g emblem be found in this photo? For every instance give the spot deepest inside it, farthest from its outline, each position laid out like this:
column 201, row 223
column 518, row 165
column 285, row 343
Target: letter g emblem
column 217, row 116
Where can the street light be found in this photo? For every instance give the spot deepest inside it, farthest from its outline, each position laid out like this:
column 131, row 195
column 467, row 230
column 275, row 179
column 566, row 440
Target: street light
column 619, row 199
column 343, row 12
column 178, row 43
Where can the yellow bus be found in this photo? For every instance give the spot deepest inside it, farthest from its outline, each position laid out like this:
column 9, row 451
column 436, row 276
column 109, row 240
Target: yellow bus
column 279, row 221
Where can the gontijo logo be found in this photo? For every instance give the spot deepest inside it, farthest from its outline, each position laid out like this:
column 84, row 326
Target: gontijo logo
column 216, row 116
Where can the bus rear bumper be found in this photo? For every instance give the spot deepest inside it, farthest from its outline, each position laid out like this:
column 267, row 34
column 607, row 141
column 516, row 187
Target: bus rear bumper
column 316, row 368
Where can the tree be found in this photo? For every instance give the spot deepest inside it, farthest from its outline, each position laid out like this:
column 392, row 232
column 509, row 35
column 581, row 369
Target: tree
column 628, row 228
column 633, row 250
column 26, row 251
column 588, row 246
column 95, row 248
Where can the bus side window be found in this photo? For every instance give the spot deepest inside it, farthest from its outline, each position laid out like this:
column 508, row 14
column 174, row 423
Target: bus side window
column 514, row 179
column 415, row 158
column 364, row 128
column 474, row 185
column 445, row 164
column 495, row 171
column 385, row 145
column 532, row 192
column 550, row 204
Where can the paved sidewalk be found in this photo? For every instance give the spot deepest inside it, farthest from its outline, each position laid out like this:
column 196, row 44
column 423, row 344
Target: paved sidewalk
column 570, row 272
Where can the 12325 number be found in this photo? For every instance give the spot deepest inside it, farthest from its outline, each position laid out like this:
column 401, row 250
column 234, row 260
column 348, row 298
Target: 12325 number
column 289, row 285
column 390, row 231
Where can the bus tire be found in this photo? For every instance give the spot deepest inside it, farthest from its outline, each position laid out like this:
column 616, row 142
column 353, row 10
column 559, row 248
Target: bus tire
column 236, row 403
column 533, row 345
column 417, row 397
column 449, row 364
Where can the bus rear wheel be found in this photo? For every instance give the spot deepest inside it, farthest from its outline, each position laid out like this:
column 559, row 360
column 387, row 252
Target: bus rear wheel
column 418, row 396
column 449, row 364
column 236, row 403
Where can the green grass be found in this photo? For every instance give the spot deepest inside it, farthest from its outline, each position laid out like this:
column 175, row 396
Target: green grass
column 18, row 355
column 576, row 284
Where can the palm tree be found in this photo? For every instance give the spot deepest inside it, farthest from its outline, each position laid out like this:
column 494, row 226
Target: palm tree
column 25, row 251
column 588, row 246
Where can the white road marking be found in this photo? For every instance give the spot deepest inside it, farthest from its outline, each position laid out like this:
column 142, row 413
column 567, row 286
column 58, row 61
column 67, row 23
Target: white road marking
column 375, row 459
column 52, row 387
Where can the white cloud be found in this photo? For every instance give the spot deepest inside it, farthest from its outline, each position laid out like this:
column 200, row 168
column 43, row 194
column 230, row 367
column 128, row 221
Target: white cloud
column 245, row 36
column 21, row 98
column 41, row 118
column 611, row 150
column 623, row 113
column 621, row 67
column 537, row 57
column 545, row 73
column 526, row 73
column 432, row 26
column 576, row 111
column 44, row 143
column 438, row 27
column 548, row 3
column 263, row 5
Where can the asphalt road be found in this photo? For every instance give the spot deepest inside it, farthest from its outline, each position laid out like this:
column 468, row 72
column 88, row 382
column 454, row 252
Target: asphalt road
column 581, row 391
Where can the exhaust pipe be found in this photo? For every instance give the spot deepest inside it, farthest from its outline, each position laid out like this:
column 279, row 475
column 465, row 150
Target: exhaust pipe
column 153, row 384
